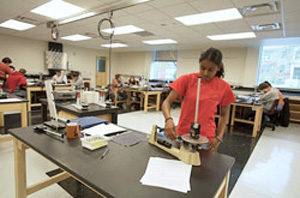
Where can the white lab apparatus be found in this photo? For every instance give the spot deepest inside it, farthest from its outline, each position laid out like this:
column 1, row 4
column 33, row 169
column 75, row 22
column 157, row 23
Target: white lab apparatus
column 89, row 97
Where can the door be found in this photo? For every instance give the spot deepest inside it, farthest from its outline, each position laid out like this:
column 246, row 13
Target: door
column 101, row 71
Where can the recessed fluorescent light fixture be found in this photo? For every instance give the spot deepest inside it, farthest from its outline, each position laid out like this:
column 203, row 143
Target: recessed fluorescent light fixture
column 234, row 36
column 16, row 25
column 57, row 9
column 210, row 17
column 127, row 29
column 114, row 45
column 76, row 37
column 160, row 41
column 82, row 16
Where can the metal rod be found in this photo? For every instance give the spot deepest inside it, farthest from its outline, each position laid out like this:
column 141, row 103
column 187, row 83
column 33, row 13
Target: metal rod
column 282, row 18
column 60, row 135
column 197, row 100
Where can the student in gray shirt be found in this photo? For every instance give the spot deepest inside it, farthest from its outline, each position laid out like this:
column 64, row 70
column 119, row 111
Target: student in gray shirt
column 77, row 80
column 269, row 96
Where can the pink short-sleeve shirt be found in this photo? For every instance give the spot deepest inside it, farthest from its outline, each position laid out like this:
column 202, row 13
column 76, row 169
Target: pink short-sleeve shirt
column 212, row 93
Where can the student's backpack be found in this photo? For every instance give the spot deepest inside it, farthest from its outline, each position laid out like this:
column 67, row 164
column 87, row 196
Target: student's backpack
column 285, row 114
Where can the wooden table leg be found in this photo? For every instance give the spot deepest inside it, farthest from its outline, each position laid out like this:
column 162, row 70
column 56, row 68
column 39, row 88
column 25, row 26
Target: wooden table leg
column 157, row 101
column 223, row 190
column 20, row 169
column 29, row 99
column 1, row 119
column 257, row 121
column 260, row 116
column 146, row 103
column 24, row 115
column 233, row 114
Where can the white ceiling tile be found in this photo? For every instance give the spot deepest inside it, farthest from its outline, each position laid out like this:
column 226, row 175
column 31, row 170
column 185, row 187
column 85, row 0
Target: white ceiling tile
column 156, row 17
column 153, row 15
column 269, row 34
column 211, row 5
column 163, row 3
column 207, row 29
column 178, row 10
column 263, row 19
column 234, row 26
column 139, row 8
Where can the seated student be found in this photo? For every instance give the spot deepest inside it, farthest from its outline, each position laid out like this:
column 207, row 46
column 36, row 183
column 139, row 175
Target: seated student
column 77, row 80
column 16, row 83
column 281, row 101
column 60, row 77
column 12, row 68
column 268, row 97
column 117, row 83
column 132, row 81
column 4, row 70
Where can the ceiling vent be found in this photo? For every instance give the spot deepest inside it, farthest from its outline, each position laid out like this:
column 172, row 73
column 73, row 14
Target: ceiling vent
column 259, row 9
column 27, row 20
column 266, row 27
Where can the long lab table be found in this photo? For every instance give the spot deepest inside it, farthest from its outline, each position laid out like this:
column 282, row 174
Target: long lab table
column 34, row 88
column 256, row 107
column 71, row 112
column 119, row 173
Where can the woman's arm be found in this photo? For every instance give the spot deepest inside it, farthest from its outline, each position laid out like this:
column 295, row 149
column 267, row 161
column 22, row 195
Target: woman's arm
column 166, row 109
column 224, row 113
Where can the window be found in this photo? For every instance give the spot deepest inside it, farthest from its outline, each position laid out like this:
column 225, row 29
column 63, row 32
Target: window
column 164, row 65
column 279, row 63
column 163, row 70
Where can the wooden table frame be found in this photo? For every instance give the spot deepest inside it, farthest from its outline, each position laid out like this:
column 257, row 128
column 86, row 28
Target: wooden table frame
column 258, row 116
column 14, row 106
column 20, row 173
column 145, row 99
column 30, row 89
column 22, row 190
column 70, row 116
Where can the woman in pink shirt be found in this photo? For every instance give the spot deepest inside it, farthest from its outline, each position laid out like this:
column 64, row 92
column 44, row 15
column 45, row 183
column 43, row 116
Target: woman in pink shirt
column 213, row 92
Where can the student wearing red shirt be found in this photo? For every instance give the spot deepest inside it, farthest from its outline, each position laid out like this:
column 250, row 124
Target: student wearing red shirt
column 16, row 83
column 213, row 92
column 4, row 70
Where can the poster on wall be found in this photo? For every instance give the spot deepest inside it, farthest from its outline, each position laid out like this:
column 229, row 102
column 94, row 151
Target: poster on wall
column 56, row 60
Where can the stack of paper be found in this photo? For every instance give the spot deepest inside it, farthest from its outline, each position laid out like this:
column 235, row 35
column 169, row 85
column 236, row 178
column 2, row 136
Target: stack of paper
column 169, row 174
column 103, row 129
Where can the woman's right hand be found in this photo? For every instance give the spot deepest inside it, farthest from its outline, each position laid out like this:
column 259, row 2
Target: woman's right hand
column 170, row 131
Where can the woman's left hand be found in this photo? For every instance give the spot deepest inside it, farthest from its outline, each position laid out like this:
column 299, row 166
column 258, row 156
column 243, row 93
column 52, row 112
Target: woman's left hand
column 213, row 145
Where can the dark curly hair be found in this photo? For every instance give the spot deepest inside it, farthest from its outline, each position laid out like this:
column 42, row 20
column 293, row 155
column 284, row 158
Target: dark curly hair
column 214, row 55
column 6, row 60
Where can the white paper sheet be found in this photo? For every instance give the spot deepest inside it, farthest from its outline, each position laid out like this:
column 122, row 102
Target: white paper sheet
column 169, row 174
column 103, row 129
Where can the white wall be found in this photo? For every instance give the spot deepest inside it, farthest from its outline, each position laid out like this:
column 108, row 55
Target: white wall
column 251, row 65
column 132, row 63
column 240, row 64
column 29, row 54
